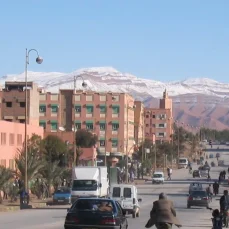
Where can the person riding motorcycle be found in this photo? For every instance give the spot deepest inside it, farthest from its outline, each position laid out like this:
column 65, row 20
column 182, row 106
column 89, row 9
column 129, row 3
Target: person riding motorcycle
column 163, row 214
column 217, row 220
column 224, row 206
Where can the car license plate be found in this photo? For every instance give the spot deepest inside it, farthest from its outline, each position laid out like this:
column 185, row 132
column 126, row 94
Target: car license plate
column 197, row 198
column 60, row 200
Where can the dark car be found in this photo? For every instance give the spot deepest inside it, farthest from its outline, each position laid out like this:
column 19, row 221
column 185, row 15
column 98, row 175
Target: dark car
column 196, row 173
column 62, row 196
column 198, row 198
column 96, row 213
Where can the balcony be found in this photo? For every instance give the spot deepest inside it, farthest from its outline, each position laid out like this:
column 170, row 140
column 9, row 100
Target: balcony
column 102, row 115
column 114, row 149
column 114, row 132
column 53, row 114
column 42, row 114
column 77, row 115
column 89, row 115
column 102, row 133
column 115, row 115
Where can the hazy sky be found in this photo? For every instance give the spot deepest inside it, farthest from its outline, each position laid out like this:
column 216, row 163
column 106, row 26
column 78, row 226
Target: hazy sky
column 156, row 39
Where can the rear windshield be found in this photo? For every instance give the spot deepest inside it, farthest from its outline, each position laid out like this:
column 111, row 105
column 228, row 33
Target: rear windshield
column 157, row 175
column 127, row 193
column 182, row 161
column 116, row 192
column 94, row 205
column 198, row 193
column 63, row 191
column 84, row 185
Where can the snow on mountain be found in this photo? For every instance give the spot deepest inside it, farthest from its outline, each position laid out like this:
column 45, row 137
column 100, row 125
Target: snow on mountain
column 109, row 79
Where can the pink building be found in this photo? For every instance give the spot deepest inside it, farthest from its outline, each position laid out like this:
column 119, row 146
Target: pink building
column 12, row 137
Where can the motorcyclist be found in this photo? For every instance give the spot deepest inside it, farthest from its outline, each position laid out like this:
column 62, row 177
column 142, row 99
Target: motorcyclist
column 163, row 214
column 217, row 220
column 224, row 205
column 216, row 188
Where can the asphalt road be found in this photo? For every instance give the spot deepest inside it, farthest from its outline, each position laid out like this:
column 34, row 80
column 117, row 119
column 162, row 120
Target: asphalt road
column 176, row 190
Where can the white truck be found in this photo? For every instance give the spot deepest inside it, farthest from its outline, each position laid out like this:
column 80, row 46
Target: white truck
column 88, row 181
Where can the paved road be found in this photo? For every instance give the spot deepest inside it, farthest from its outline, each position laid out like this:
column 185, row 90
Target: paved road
column 176, row 189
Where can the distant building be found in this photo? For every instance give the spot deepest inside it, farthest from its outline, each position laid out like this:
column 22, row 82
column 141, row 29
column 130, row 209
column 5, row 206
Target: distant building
column 159, row 121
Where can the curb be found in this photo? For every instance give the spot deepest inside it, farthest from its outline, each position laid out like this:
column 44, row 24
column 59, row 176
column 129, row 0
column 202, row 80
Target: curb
column 16, row 208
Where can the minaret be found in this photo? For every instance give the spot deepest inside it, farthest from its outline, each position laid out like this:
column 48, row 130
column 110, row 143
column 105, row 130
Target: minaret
column 166, row 102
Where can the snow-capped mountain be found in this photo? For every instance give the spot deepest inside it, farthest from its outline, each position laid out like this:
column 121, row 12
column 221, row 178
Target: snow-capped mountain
column 206, row 94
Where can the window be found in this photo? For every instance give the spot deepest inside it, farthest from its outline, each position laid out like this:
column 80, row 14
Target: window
column 3, row 138
column 77, row 97
column 8, row 120
column 22, row 120
column 42, row 108
column 153, row 125
column 153, row 116
column 42, row 123
column 115, row 109
column 102, row 109
column 89, row 126
column 119, row 208
column 116, row 98
column 84, row 185
column 19, row 139
column 54, row 125
column 77, row 108
column 147, row 125
column 161, row 125
column 114, row 143
column 160, row 134
column 42, row 97
column 78, row 126
column 127, row 192
column 89, row 109
column 54, row 108
column 102, row 142
column 102, row 126
column 147, row 116
column 116, row 192
column 22, row 104
column 8, row 104
column 54, row 97
column 11, row 139
column 115, row 126
column 89, row 98
column 103, row 98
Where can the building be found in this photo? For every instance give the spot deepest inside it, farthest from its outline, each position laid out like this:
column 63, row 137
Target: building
column 159, row 121
column 12, row 138
column 109, row 115
column 139, row 134
column 12, row 106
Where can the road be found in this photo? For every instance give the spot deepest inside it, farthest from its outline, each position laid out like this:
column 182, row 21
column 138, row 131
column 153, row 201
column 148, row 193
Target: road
column 176, row 190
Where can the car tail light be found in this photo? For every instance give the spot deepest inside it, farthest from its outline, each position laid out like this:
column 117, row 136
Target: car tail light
column 190, row 198
column 205, row 198
column 134, row 201
column 109, row 221
column 72, row 219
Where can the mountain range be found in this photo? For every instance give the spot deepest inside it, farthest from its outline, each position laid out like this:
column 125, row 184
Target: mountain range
column 196, row 101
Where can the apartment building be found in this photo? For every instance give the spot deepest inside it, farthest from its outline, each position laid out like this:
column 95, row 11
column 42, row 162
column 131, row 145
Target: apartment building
column 159, row 121
column 12, row 103
column 109, row 115
column 12, row 138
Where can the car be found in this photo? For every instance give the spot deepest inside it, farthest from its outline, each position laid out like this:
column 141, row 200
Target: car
column 62, row 196
column 195, row 187
column 198, row 198
column 196, row 173
column 158, row 178
column 221, row 163
column 99, row 213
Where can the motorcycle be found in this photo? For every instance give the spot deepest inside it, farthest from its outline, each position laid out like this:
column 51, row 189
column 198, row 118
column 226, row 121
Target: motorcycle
column 217, row 219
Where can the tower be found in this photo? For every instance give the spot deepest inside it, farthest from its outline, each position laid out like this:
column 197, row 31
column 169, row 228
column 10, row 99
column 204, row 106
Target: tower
column 166, row 102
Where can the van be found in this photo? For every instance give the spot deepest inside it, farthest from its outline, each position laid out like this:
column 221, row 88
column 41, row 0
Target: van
column 182, row 163
column 127, row 196
column 158, row 178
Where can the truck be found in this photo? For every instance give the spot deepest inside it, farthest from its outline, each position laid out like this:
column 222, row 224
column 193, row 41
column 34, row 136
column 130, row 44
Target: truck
column 89, row 181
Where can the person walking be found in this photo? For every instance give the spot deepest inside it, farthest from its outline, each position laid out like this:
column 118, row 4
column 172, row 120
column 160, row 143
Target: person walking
column 169, row 174
column 216, row 188
column 163, row 214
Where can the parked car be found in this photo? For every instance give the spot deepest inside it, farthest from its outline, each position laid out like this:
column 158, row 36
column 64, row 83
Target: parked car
column 62, row 196
column 195, row 187
column 198, row 198
column 196, row 173
column 158, row 178
column 95, row 213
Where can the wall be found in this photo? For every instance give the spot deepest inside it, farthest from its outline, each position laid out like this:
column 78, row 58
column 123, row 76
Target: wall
column 12, row 138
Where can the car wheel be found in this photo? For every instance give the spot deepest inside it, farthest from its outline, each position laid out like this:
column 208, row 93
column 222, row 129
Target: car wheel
column 188, row 206
column 138, row 214
column 134, row 215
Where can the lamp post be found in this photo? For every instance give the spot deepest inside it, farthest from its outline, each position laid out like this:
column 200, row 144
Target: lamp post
column 84, row 84
column 39, row 60
column 127, row 136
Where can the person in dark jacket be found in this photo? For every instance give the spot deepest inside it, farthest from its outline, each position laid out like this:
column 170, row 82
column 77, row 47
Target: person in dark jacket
column 163, row 214
column 216, row 188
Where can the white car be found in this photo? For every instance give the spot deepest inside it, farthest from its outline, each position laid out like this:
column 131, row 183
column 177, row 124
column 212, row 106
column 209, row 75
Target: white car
column 158, row 178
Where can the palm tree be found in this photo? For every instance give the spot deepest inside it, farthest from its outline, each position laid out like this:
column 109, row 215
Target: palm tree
column 5, row 175
column 34, row 166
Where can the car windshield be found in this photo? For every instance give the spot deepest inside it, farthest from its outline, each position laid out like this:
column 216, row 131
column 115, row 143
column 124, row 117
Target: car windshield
column 84, row 185
column 93, row 205
column 199, row 193
column 157, row 175
column 182, row 161
column 63, row 191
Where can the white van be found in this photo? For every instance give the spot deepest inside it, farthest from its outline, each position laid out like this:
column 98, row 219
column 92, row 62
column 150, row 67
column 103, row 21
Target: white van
column 183, row 163
column 158, row 178
column 127, row 196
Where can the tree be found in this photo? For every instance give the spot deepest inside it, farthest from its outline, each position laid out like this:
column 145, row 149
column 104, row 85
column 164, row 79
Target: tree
column 5, row 175
column 84, row 139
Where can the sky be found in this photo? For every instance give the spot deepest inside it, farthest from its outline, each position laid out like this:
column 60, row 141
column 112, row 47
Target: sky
column 164, row 40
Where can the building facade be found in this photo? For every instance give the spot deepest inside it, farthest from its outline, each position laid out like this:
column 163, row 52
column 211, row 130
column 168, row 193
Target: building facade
column 109, row 115
column 12, row 138
column 159, row 121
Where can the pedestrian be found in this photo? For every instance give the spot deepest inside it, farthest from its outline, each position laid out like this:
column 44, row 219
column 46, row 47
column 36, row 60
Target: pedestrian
column 216, row 188
column 169, row 174
column 163, row 214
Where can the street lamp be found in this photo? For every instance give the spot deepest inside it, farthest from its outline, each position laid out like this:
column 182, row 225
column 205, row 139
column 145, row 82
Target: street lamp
column 84, row 84
column 127, row 136
column 39, row 60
